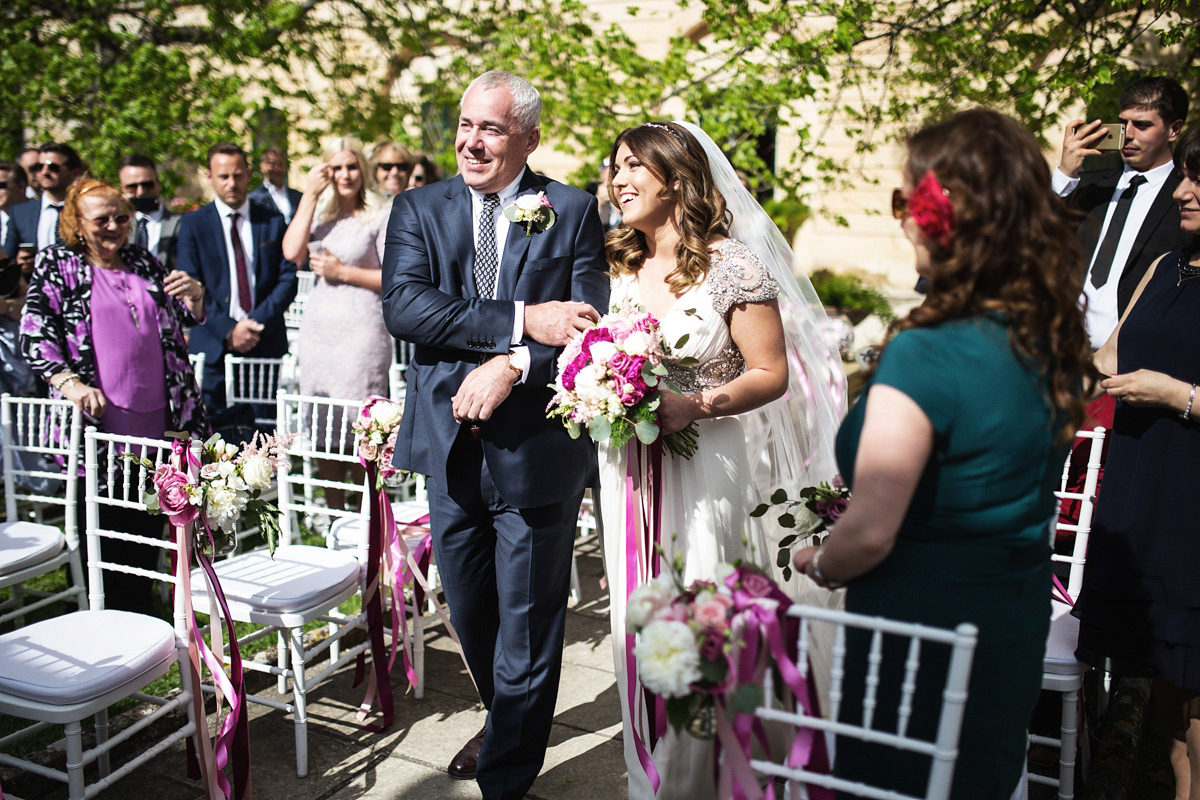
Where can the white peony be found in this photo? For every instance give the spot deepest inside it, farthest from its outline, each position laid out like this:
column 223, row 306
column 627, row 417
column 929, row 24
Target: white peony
column 639, row 343
column 589, row 384
column 602, row 352
column 644, row 603
column 258, row 472
column 386, row 415
column 668, row 661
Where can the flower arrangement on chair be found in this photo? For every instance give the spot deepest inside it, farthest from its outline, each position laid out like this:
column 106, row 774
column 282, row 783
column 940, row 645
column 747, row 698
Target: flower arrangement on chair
column 703, row 650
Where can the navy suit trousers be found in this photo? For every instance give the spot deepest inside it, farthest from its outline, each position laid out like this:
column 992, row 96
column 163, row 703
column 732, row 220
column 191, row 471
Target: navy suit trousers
column 506, row 575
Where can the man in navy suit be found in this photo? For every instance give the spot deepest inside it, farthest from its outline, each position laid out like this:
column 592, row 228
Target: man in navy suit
column 487, row 307
column 274, row 191
column 235, row 248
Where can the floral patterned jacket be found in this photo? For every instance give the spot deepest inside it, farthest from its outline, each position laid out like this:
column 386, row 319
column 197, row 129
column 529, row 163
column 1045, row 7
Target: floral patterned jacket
column 56, row 329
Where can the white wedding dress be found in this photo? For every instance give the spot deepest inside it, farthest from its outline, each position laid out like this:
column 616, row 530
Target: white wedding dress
column 705, row 500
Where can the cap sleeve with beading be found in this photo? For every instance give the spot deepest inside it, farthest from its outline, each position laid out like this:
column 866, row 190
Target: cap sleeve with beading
column 737, row 275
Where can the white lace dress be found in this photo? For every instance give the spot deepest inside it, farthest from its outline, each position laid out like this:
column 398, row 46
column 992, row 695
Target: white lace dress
column 705, row 500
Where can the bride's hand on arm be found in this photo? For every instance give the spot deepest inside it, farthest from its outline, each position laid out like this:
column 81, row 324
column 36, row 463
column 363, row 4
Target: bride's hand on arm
column 893, row 450
column 757, row 331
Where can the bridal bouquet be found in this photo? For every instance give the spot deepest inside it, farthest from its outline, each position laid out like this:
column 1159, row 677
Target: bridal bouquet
column 375, row 436
column 814, row 513
column 227, row 496
column 610, row 380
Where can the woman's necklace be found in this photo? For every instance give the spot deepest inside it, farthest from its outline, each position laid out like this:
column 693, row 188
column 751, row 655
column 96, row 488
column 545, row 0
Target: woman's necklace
column 122, row 282
column 1187, row 271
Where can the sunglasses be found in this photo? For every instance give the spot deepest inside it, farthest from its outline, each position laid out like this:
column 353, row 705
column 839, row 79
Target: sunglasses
column 3, row 184
column 388, row 166
column 899, row 204
column 102, row 222
column 48, row 165
column 145, row 186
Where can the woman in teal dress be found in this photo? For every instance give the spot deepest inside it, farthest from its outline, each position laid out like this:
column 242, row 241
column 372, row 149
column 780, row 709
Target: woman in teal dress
column 954, row 451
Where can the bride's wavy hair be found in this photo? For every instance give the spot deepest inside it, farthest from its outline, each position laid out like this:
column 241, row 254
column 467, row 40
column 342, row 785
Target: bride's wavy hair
column 1012, row 249
column 673, row 156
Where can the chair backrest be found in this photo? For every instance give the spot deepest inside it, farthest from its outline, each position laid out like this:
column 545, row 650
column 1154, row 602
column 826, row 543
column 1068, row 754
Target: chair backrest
column 919, row 644
column 321, row 430
column 197, row 360
column 1086, row 498
column 257, row 381
column 305, row 280
column 396, row 382
column 41, row 448
column 114, row 481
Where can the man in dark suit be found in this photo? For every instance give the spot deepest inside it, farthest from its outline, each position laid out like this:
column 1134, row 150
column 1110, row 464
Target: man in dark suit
column 487, row 306
column 235, row 248
column 1131, row 218
column 12, row 193
column 57, row 168
column 274, row 191
column 155, row 228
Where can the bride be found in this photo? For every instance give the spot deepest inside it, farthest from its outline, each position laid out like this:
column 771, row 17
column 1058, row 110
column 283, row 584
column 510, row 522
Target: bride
column 747, row 354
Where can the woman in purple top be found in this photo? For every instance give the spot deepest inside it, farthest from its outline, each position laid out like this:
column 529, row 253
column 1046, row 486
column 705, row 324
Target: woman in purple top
column 104, row 326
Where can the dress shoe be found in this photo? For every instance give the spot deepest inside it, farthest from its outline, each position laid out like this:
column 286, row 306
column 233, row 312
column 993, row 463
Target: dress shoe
column 464, row 764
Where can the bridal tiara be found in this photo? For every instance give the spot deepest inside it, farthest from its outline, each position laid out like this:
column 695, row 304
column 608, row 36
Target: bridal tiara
column 666, row 128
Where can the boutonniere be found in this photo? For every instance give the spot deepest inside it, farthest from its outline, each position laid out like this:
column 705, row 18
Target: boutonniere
column 533, row 211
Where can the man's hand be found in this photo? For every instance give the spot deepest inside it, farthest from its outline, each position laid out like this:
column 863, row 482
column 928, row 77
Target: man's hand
column 556, row 323
column 1080, row 141
column 244, row 336
column 484, row 389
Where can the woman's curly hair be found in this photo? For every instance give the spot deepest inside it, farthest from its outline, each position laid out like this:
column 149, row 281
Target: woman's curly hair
column 673, row 156
column 1013, row 249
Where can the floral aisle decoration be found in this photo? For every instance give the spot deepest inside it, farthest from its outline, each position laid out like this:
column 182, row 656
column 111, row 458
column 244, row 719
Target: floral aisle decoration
column 702, row 651
column 811, row 515
column 208, row 491
column 391, row 563
column 610, row 381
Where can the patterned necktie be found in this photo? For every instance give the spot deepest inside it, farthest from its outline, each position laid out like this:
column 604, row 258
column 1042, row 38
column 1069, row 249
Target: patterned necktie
column 142, row 237
column 1108, row 248
column 239, row 260
column 487, row 263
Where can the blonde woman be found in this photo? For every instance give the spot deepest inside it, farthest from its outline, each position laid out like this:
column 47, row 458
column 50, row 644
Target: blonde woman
column 344, row 349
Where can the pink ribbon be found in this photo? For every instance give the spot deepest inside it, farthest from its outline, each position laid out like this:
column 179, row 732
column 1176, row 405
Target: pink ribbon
column 1059, row 592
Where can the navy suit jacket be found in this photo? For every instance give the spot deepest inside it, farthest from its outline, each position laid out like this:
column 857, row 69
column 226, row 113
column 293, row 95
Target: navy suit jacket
column 11, row 239
column 25, row 217
column 261, row 194
column 429, row 299
column 1160, row 232
column 200, row 252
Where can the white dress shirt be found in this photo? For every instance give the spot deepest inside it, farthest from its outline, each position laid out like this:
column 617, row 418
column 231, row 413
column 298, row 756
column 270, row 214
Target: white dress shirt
column 519, row 354
column 153, row 229
column 4, row 222
column 47, row 222
column 1102, row 314
column 246, row 231
column 282, row 201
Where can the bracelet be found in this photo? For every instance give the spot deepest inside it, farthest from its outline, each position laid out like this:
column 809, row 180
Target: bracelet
column 1187, row 412
column 65, row 381
column 820, row 576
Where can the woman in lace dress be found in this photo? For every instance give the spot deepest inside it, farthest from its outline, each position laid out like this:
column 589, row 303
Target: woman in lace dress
column 344, row 349
column 718, row 303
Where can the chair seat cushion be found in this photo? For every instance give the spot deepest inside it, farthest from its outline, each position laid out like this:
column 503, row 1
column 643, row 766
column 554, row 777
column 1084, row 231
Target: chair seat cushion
column 25, row 544
column 347, row 533
column 82, row 655
column 1061, row 642
column 298, row 577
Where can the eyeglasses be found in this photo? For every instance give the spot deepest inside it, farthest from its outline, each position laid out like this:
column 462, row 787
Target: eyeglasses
column 145, row 186
column 899, row 204
column 388, row 166
column 53, row 166
column 102, row 222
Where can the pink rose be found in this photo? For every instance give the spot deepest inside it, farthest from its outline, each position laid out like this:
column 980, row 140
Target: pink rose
column 830, row 510
column 710, row 614
column 712, row 648
column 173, row 497
column 368, row 450
column 753, row 583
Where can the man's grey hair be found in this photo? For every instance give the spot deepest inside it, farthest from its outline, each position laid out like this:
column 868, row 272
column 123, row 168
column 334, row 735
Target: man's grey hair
column 527, row 103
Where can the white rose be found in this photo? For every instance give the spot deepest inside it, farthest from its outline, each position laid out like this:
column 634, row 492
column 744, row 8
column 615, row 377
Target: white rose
column 668, row 661
column 529, row 202
column 644, row 602
column 209, row 472
column 602, row 352
column 387, row 415
column 257, row 471
column 638, row 343
column 806, row 520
